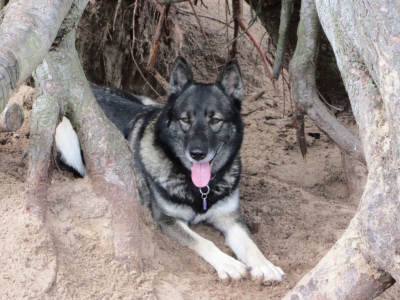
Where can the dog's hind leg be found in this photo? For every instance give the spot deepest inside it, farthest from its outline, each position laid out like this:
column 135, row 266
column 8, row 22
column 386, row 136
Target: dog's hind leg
column 225, row 265
column 237, row 237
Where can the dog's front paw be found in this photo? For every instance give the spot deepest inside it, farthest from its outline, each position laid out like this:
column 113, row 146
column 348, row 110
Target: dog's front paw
column 267, row 272
column 227, row 266
column 261, row 268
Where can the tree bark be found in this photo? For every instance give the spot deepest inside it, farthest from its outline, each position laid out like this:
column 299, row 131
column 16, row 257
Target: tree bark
column 106, row 153
column 302, row 77
column 366, row 41
column 27, row 33
column 376, row 79
column 286, row 13
column 45, row 116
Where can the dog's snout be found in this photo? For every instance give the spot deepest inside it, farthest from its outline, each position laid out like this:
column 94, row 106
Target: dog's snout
column 198, row 154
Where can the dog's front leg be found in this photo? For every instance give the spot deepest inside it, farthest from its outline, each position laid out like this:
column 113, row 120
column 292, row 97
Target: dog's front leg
column 237, row 237
column 225, row 265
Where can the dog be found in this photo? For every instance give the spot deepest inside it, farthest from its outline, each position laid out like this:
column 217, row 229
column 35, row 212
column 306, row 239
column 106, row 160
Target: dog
column 187, row 163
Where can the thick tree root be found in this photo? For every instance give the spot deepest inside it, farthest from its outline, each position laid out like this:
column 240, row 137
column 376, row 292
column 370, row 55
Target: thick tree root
column 343, row 273
column 106, row 153
column 364, row 262
column 302, row 77
column 45, row 115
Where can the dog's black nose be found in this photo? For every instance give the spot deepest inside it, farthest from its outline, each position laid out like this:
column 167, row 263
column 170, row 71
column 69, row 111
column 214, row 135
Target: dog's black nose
column 197, row 154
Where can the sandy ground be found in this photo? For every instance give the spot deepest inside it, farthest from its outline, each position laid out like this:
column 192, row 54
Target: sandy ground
column 295, row 209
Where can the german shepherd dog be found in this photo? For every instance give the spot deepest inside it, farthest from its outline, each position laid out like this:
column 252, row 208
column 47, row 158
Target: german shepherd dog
column 187, row 163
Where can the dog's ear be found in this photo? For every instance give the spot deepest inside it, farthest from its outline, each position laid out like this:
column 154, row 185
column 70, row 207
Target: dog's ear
column 231, row 80
column 181, row 75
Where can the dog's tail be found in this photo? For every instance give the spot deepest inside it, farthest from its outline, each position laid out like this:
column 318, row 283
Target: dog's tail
column 68, row 147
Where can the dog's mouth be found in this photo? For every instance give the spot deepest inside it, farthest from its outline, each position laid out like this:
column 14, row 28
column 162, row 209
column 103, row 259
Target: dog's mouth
column 201, row 171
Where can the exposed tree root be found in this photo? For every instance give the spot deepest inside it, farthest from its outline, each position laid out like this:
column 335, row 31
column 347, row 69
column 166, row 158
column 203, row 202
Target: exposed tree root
column 116, row 12
column 296, row 122
column 343, row 273
column 355, row 174
column 302, row 78
column 157, row 36
column 286, row 13
column 205, row 37
column 141, row 74
column 364, row 262
column 106, row 152
column 45, row 116
column 238, row 17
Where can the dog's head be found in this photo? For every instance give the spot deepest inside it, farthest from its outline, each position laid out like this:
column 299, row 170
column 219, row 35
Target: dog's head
column 201, row 124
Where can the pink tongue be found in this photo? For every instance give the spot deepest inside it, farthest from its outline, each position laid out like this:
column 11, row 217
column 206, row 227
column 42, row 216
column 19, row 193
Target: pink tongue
column 201, row 174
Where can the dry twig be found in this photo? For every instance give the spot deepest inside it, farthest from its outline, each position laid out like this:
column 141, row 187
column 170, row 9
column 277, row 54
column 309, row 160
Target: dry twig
column 141, row 74
column 116, row 13
column 157, row 36
column 204, row 35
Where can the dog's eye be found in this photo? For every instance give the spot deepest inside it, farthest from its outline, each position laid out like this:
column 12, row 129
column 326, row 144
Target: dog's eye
column 185, row 120
column 214, row 121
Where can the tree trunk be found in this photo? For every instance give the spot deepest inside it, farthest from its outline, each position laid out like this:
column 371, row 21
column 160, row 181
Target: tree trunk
column 366, row 41
column 106, row 152
column 23, row 44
